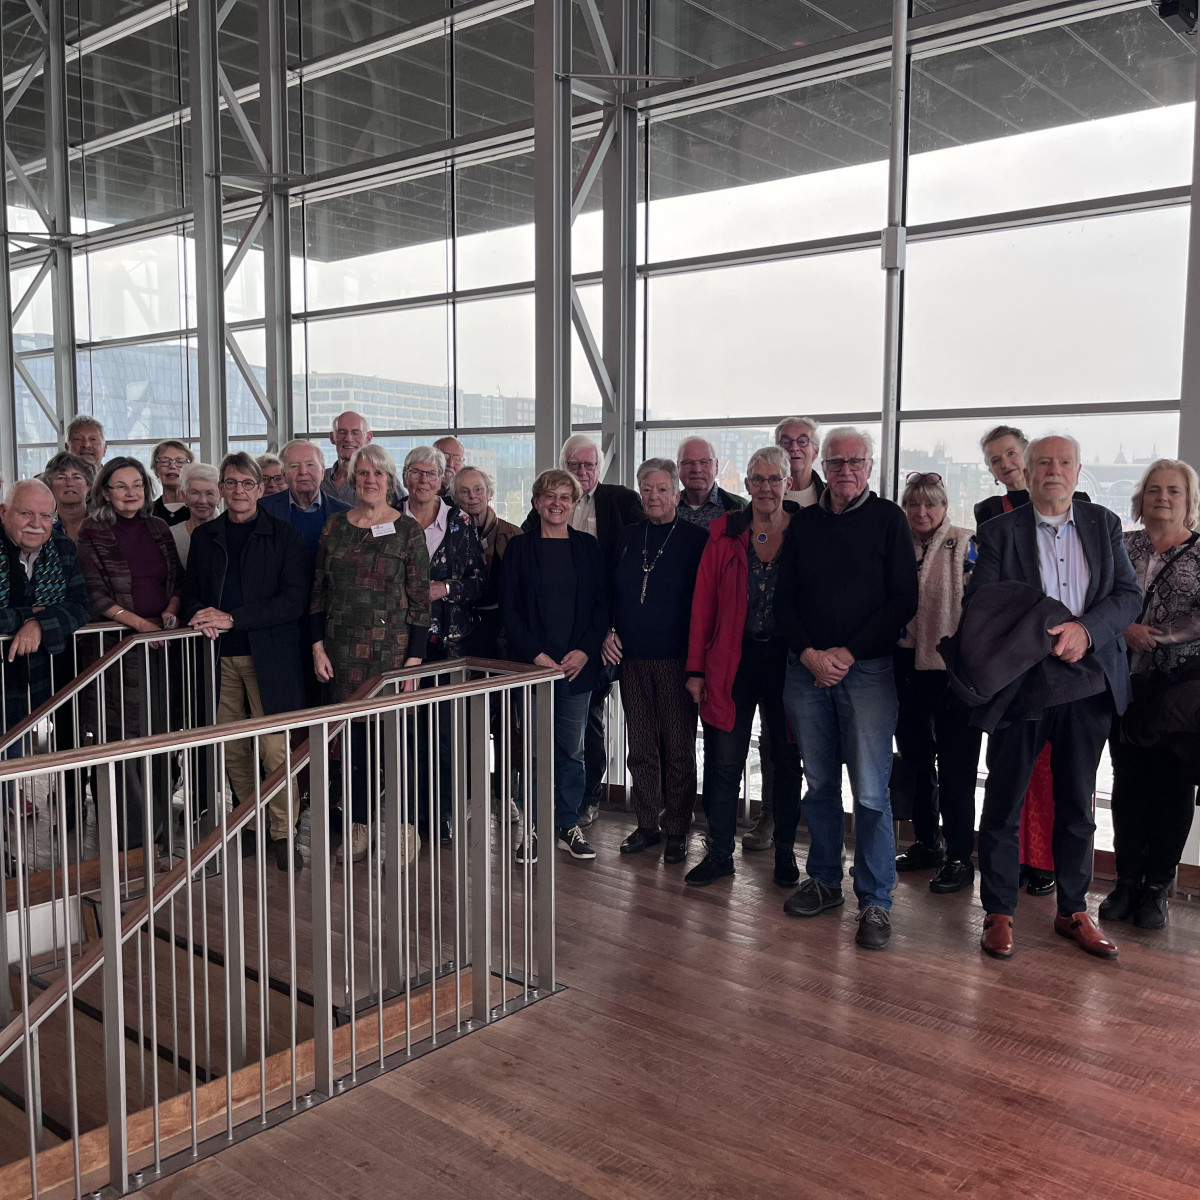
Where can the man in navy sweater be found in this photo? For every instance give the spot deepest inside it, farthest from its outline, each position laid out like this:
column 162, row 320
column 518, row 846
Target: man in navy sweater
column 847, row 587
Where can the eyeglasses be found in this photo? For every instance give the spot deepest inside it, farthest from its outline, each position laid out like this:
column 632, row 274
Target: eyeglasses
column 833, row 466
column 800, row 443
column 238, row 485
column 454, row 460
column 577, row 464
column 923, row 477
column 272, row 478
column 758, row 480
column 126, row 487
column 171, row 462
column 420, row 474
column 695, row 462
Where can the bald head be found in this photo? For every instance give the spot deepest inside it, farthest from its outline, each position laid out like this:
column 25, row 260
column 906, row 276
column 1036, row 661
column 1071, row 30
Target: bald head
column 28, row 514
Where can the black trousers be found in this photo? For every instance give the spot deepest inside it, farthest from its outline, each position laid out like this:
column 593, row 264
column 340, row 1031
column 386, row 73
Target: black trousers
column 758, row 684
column 1076, row 733
column 1153, row 804
column 941, row 750
column 660, row 721
column 595, row 743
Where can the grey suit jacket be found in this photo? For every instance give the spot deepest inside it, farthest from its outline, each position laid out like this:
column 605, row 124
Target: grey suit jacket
column 1008, row 550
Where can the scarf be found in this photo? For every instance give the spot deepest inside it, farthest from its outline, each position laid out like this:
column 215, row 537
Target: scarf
column 49, row 580
column 941, row 567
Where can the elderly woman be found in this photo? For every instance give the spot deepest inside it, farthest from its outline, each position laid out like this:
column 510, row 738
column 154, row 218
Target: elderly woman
column 370, row 602
column 274, row 480
column 1153, row 791
column 70, row 478
column 653, row 582
column 554, row 600
column 202, row 495
column 737, row 661
column 168, row 459
column 938, row 748
column 134, row 577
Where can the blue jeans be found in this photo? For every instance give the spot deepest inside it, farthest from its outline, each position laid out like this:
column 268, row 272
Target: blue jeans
column 570, row 721
column 852, row 722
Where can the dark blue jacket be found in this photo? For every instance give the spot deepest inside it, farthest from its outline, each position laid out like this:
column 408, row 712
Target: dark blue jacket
column 275, row 584
column 280, row 506
column 1008, row 550
column 521, row 598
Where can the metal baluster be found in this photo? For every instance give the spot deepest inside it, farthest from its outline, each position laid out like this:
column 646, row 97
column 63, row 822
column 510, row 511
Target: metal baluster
column 190, row 905
column 481, row 863
column 260, row 893
column 545, row 950
column 69, row 966
column 435, row 866
column 379, row 789
column 322, row 950
column 150, row 863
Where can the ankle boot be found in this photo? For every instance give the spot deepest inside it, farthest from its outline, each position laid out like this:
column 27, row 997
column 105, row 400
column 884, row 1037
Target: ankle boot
column 1151, row 912
column 1121, row 903
column 761, row 834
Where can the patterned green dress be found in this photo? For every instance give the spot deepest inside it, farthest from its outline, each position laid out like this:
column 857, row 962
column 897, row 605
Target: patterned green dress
column 369, row 590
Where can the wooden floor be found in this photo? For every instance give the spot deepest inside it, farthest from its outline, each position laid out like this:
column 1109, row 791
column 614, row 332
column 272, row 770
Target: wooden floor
column 708, row 1045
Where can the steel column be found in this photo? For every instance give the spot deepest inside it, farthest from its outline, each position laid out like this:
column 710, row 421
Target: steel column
column 276, row 237
column 8, row 386
column 1189, row 394
column 620, row 252
column 206, row 202
column 893, row 253
column 59, row 207
column 552, row 227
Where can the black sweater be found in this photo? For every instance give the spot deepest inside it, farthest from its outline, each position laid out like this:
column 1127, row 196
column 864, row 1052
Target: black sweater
column 848, row 579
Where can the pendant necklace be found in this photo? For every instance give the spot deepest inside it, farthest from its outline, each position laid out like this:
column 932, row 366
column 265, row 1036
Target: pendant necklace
column 647, row 564
column 761, row 538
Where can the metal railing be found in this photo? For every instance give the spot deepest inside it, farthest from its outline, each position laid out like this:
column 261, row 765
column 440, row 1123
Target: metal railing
column 228, row 992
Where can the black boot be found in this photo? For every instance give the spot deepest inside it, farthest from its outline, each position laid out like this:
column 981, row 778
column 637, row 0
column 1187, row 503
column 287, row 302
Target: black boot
column 1151, row 912
column 1120, row 903
column 713, row 866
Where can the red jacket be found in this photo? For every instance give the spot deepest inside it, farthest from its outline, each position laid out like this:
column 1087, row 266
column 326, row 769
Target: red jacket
column 719, row 606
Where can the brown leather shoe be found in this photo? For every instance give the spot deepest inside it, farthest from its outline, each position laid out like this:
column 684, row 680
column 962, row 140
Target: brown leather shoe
column 997, row 937
column 1079, row 927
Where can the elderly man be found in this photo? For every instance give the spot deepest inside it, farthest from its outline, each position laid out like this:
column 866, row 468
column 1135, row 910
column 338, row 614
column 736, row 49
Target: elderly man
column 248, row 580
column 701, row 501
column 43, row 596
column 1075, row 553
column 85, row 437
column 455, row 455
column 847, row 587
column 606, row 509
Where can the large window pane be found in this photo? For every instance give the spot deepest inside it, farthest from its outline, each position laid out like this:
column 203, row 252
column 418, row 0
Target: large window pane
column 1116, row 450
column 386, row 244
column 129, row 81
column 1095, row 108
column 688, row 37
column 329, row 25
column 139, row 391
column 805, row 333
column 134, row 289
column 1077, row 312
column 134, row 179
column 495, row 361
column 391, row 367
column 806, row 164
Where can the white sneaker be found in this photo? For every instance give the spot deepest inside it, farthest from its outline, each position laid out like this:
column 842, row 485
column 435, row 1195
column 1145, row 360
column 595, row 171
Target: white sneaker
column 358, row 844
column 410, row 843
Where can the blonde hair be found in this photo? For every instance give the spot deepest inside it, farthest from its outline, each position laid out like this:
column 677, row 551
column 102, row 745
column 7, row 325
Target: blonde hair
column 1190, row 483
column 549, row 481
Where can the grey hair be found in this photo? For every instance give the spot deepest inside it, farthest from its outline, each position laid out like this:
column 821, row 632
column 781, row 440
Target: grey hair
column 810, row 422
column 694, row 437
column 300, row 444
column 376, row 456
column 489, row 480
column 198, row 472
column 424, row 454
column 574, row 444
column 666, row 465
column 843, row 432
column 366, row 421
column 84, row 421
column 935, row 493
column 269, row 460
column 1001, row 431
column 20, row 485
column 777, row 456
column 1037, row 441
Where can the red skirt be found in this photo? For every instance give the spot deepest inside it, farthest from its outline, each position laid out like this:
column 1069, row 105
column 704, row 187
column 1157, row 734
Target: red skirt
column 1037, row 817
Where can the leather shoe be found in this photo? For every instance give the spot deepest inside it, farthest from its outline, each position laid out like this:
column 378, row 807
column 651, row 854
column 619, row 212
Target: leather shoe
column 640, row 839
column 1039, row 883
column 1121, row 903
column 676, row 849
column 997, row 937
column 1079, row 927
column 1151, row 910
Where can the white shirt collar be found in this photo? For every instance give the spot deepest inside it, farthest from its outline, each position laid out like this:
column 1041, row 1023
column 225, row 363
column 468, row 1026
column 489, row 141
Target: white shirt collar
column 1055, row 522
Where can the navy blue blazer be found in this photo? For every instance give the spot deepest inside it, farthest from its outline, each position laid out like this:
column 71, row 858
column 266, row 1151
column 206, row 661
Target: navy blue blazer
column 1008, row 550
column 521, row 598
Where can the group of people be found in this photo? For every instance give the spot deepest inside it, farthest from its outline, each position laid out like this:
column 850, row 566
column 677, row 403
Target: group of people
column 848, row 623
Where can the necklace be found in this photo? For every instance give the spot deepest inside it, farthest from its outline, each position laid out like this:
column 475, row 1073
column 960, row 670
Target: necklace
column 761, row 538
column 647, row 564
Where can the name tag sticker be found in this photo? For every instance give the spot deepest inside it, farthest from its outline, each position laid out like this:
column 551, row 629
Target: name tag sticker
column 383, row 529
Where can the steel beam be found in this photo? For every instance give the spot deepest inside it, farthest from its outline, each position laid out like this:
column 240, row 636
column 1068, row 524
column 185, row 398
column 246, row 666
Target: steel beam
column 59, row 208
column 893, row 252
column 8, row 383
column 619, row 333
column 277, row 242
column 552, row 226
column 205, row 169
column 1189, row 393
